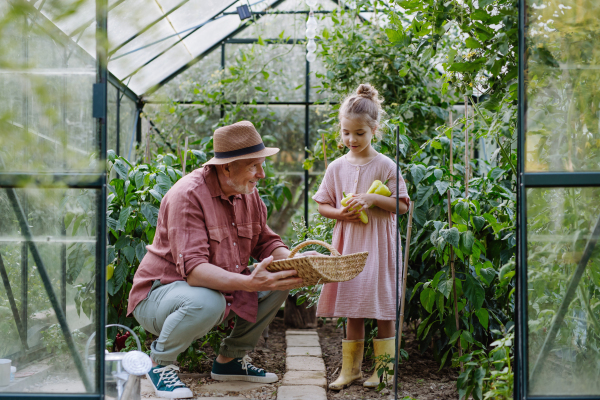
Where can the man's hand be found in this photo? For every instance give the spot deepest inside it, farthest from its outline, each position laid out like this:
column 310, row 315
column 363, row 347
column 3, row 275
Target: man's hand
column 261, row 280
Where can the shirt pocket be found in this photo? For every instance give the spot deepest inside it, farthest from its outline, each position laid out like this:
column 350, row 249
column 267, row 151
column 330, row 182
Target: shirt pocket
column 218, row 233
column 248, row 237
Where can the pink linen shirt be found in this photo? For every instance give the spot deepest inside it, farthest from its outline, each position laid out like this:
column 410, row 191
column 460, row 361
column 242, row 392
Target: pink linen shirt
column 198, row 224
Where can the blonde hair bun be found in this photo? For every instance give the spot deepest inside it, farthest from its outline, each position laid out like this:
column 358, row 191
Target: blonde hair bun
column 367, row 91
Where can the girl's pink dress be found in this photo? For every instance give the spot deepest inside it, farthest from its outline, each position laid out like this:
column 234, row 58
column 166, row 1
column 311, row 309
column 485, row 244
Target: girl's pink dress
column 371, row 293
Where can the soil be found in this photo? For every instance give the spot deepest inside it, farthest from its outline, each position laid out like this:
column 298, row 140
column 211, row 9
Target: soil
column 418, row 376
column 269, row 355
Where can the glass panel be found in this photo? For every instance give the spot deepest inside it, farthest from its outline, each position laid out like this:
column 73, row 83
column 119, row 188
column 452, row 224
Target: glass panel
column 127, row 132
column 286, row 68
column 563, row 85
column 181, row 87
column 320, row 119
column 45, row 108
column 272, row 26
column 559, row 225
column 111, row 118
column 63, row 224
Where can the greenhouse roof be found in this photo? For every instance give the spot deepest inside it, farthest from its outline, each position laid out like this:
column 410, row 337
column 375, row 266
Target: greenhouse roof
column 150, row 41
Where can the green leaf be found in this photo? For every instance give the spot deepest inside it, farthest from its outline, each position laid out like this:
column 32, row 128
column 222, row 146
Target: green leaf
column 472, row 43
column 418, row 172
column 442, row 187
column 261, row 41
column 129, row 253
column 140, row 251
column 404, row 71
column 451, row 236
column 445, row 287
column 119, row 276
column 150, row 213
column 423, row 193
column 394, row 36
column 495, row 173
column 428, row 299
column 265, row 74
column 478, row 222
column 483, row 316
column 123, row 217
column 155, row 194
column 474, row 292
column 122, row 168
column 487, row 275
column 466, row 242
column 75, row 261
column 480, row 15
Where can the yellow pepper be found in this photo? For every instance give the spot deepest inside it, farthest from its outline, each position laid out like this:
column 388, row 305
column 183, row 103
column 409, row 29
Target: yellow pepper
column 110, row 269
column 363, row 215
column 377, row 187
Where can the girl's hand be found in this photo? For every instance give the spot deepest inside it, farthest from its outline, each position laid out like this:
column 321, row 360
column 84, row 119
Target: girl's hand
column 362, row 201
column 344, row 214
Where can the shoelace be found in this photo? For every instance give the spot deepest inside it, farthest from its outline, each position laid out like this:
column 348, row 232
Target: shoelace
column 246, row 364
column 168, row 375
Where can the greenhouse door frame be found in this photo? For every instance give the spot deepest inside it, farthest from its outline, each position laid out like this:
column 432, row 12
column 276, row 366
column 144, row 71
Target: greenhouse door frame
column 526, row 180
column 10, row 181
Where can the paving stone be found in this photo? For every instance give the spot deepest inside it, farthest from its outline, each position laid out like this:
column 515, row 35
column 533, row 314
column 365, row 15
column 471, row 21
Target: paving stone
column 303, row 351
column 305, row 364
column 230, row 386
column 301, row 332
column 307, row 393
column 302, row 341
column 312, row 378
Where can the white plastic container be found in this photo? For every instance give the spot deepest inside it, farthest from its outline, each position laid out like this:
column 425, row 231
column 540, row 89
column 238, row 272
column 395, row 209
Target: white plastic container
column 4, row 372
column 13, row 371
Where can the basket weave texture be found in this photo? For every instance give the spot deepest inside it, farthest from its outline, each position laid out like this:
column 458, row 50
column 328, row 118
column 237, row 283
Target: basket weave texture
column 322, row 269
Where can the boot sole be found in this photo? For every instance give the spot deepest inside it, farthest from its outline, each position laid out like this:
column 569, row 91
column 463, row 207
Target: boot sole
column 344, row 385
column 245, row 378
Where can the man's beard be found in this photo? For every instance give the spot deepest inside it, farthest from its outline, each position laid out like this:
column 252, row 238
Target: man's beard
column 241, row 189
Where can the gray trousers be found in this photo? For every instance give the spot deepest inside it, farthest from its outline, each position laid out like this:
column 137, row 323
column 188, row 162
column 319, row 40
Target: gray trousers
column 179, row 314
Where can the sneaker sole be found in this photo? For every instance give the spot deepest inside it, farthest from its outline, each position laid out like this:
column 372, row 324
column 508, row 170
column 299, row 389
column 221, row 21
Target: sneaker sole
column 245, row 378
column 168, row 395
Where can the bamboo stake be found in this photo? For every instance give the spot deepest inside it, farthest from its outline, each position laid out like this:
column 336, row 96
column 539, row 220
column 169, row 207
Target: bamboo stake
column 405, row 272
column 451, row 249
column 147, row 143
column 324, row 149
column 185, row 150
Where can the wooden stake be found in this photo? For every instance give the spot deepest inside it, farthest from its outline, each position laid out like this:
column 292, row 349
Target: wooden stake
column 456, row 319
column 405, row 273
column 467, row 167
column 147, row 143
column 184, row 157
column 324, row 149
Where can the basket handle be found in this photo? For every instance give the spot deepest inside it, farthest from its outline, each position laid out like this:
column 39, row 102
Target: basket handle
column 309, row 242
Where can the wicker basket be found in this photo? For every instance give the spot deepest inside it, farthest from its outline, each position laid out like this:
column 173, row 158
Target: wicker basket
column 322, row 269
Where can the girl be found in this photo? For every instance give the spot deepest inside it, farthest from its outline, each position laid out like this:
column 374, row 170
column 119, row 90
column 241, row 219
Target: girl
column 371, row 293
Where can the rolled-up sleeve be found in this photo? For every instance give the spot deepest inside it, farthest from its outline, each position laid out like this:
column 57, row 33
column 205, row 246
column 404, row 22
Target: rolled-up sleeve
column 326, row 192
column 187, row 234
column 267, row 239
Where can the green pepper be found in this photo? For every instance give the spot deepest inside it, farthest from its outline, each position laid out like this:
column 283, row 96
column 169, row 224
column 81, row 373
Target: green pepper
column 363, row 215
column 377, row 187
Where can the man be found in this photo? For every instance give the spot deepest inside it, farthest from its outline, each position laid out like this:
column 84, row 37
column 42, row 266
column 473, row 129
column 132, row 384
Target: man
column 195, row 273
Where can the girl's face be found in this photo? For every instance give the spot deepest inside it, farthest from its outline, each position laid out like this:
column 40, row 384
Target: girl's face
column 356, row 133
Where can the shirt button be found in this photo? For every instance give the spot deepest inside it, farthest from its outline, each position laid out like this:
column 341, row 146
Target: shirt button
column 237, row 266
column 357, row 168
column 233, row 223
column 356, row 180
column 228, row 304
column 234, row 243
column 181, row 256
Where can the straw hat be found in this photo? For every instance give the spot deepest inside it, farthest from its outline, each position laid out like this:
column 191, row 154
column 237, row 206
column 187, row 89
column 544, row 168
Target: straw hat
column 238, row 142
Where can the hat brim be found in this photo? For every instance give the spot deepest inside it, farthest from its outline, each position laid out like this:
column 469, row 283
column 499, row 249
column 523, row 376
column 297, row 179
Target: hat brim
column 266, row 152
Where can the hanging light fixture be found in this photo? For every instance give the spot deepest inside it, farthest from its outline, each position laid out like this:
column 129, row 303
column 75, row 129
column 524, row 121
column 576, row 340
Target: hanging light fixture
column 311, row 32
column 311, row 3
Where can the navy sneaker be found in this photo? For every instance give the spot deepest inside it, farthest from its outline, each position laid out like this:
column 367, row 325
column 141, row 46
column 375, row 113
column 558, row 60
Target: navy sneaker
column 166, row 383
column 240, row 369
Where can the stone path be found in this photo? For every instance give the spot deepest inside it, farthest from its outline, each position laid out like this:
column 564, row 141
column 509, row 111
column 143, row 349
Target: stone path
column 305, row 377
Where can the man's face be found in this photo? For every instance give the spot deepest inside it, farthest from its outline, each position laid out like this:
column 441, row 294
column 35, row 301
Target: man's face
column 245, row 174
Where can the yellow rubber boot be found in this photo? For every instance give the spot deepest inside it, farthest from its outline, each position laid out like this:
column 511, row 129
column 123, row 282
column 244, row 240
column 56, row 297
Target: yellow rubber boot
column 352, row 356
column 381, row 347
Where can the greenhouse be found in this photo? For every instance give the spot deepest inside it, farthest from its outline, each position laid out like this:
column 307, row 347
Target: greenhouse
column 475, row 168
